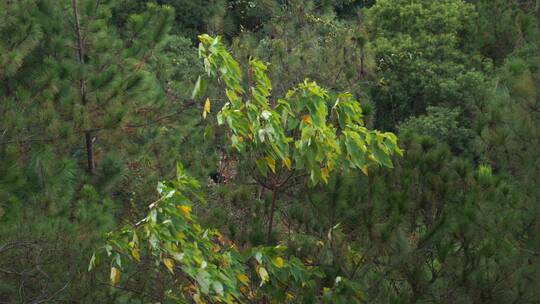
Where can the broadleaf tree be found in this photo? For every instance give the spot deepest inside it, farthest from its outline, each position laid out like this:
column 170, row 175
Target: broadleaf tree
column 308, row 132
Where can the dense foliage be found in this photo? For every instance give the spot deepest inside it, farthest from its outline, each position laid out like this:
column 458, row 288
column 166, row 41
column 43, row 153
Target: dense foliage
column 304, row 151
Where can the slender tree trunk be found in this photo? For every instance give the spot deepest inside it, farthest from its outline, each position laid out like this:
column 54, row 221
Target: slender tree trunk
column 272, row 211
column 82, row 88
column 537, row 9
column 363, row 73
column 90, row 152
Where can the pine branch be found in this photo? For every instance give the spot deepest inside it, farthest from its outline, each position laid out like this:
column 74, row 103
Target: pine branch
column 32, row 138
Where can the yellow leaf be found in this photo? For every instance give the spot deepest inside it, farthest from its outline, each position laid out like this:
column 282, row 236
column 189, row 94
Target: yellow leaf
column 286, row 162
column 330, row 165
column 279, row 262
column 115, row 275
column 206, row 108
column 263, row 274
column 185, row 209
column 365, row 169
column 197, row 298
column 290, row 296
column 242, row 278
column 271, row 163
column 169, row 263
column 325, row 172
column 181, row 235
column 136, row 254
column 307, row 119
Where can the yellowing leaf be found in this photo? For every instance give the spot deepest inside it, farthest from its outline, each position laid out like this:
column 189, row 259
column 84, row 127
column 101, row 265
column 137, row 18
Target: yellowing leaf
column 365, row 169
column 290, row 296
column 248, row 293
column 242, row 278
column 197, row 298
column 307, row 119
column 181, row 235
column 169, row 263
column 286, row 162
column 206, row 108
column 271, row 163
column 325, row 172
column 115, row 275
column 136, row 254
column 263, row 274
column 279, row 262
column 185, row 209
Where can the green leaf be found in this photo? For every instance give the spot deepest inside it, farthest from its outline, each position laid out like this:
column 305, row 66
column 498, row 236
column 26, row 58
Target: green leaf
column 218, row 287
column 208, row 132
column 92, row 263
column 258, row 257
column 262, row 166
column 200, row 86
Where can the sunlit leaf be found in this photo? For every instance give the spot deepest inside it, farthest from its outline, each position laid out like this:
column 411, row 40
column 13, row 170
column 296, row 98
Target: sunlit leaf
column 136, row 254
column 279, row 262
column 286, row 162
column 258, row 257
column 169, row 263
column 218, row 287
column 271, row 163
column 364, row 169
column 263, row 274
column 244, row 279
column 115, row 275
column 325, row 173
column 92, row 263
column 185, row 209
column 198, row 88
column 206, row 108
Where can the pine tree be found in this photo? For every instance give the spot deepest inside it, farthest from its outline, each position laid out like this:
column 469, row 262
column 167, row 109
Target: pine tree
column 75, row 95
column 434, row 229
column 301, row 42
column 510, row 138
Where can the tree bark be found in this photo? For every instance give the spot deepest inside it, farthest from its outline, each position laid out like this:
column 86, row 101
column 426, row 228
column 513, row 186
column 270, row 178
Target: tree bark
column 271, row 220
column 82, row 88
